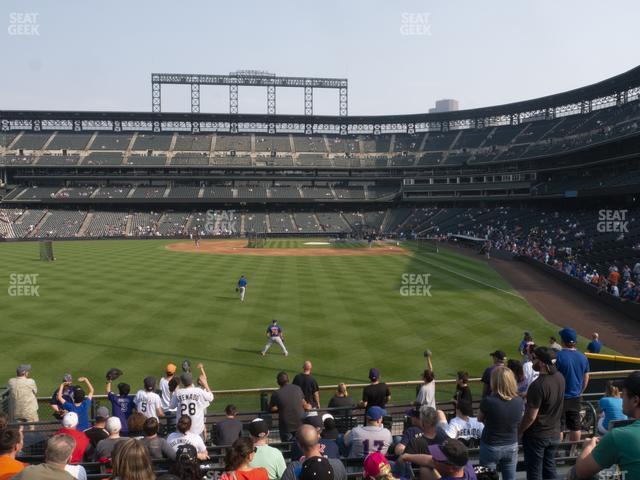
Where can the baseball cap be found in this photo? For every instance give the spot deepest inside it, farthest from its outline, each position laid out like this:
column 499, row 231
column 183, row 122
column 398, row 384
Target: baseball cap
column 23, row 368
column 314, row 420
column 374, row 374
column 170, row 368
column 412, row 412
column 150, row 383
column 568, row 335
column 70, row 420
column 316, row 468
column 186, row 378
column 113, row 425
column 258, row 428
column 376, row 413
column 499, row 354
column 451, row 451
column 326, row 416
column 67, row 378
column 102, row 413
column 545, row 355
column 376, row 464
column 631, row 383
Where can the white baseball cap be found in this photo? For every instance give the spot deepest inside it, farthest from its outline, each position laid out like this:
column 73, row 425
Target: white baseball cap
column 70, row 420
column 113, row 425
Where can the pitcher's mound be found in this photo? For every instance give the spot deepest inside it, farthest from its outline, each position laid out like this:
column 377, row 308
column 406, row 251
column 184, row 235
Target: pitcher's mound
column 239, row 247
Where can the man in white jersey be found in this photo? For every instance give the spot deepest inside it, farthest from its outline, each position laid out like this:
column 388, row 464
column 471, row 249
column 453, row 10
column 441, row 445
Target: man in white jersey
column 147, row 401
column 464, row 426
column 183, row 436
column 167, row 386
column 372, row 437
column 193, row 401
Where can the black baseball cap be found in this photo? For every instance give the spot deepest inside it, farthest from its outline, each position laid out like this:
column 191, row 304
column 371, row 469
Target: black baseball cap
column 499, row 354
column 149, row 383
column 545, row 355
column 258, row 428
column 631, row 383
column 316, row 468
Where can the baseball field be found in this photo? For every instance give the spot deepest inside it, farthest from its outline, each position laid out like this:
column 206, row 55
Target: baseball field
column 138, row 305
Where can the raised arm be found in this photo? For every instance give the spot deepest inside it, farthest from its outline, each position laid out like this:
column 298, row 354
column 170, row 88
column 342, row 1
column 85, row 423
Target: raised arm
column 89, row 386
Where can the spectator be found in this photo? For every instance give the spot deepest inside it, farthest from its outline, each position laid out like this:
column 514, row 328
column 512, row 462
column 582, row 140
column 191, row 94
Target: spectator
column 451, row 460
column 376, row 467
column 427, row 392
column 328, row 448
column 376, row 394
column 147, row 401
column 464, row 426
column 238, row 462
column 342, row 399
column 309, row 441
column 81, row 441
column 81, row 403
column 185, row 435
column 527, row 366
column 610, row 406
column 433, row 424
column 10, row 445
column 316, row 468
column 56, row 458
column 362, row 440
column 595, row 345
column 463, row 392
column 121, row 405
column 135, row 425
column 186, row 466
column 67, row 395
column 621, row 445
column 540, row 427
column 105, row 447
column 131, row 461
column 228, row 430
column 553, row 343
column 498, row 361
column 97, row 432
column 518, row 371
column 501, row 412
column 23, row 400
column 157, row 447
column 166, row 392
column 574, row 367
column 193, row 401
column 412, row 429
column 308, row 385
column 289, row 402
column 330, row 431
column 265, row 456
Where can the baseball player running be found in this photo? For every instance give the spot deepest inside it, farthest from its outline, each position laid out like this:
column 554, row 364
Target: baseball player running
column 275, row 335
column 242, row 287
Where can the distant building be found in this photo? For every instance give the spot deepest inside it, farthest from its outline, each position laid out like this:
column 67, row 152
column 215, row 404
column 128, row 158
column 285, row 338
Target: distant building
column 445, row 105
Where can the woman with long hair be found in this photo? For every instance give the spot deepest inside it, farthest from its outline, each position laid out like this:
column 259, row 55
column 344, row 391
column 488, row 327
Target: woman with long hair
column 131, row 461
column 518, row 371
column 501, row 413
column 341, row 399
column 237, row 460
column 610, row 407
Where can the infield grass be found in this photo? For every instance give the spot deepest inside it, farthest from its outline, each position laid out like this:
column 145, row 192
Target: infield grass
column 137, row 306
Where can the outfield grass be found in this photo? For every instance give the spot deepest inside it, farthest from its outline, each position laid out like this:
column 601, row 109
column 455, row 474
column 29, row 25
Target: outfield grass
column 137, row 306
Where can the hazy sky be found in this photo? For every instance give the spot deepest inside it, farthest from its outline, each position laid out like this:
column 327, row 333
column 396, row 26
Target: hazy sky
column 399, row 56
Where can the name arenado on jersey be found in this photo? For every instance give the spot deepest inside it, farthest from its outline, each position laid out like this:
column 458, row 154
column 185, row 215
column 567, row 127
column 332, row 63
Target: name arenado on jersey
column 190, row 396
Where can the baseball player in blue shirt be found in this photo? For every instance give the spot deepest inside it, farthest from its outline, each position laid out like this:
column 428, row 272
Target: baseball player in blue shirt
column 242, row 287
column 274, row 334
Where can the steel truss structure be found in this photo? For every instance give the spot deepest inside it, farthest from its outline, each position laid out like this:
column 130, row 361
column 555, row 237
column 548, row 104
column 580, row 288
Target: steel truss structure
column 611, row 92
column 249, row 79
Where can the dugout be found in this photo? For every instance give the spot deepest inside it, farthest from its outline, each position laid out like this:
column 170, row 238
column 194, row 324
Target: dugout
column 601, row 362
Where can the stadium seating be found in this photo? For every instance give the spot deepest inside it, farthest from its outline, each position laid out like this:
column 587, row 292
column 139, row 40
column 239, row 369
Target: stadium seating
column 60, row 224
column 56, row 160
column 103, row 159
column 112, row 141
column 69, row 141
column 31, row 141
column 146, row 141
column 107, row 224
column 273, row 143
column 193, row 143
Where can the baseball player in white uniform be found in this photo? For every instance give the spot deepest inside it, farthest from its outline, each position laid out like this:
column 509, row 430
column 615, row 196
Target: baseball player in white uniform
column 193, row 401
column 275, row 335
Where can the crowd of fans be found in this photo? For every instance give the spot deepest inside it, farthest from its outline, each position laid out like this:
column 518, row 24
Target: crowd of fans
column 530, row 401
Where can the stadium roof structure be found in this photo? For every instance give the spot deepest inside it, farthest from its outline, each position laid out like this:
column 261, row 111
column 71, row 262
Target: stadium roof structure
column 616, row 90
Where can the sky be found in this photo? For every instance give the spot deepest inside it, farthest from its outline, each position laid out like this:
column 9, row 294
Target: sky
column 398, row 56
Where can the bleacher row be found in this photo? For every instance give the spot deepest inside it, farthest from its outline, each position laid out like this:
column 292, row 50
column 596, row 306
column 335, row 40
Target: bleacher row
column 235, row 190
column 454, row 147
